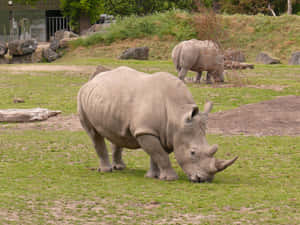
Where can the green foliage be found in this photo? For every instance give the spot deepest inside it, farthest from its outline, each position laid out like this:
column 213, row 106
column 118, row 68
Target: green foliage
column 253, row 7
column 158, row 24
column 74, row 9
column 142, row 7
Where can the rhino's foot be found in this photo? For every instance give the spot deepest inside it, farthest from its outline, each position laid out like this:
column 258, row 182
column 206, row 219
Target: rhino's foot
column 168, row 175
column 105, row 169
column 152, row 174
column 119, row 166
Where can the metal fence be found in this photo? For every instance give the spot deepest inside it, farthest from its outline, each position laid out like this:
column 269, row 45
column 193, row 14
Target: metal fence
column 55, row 23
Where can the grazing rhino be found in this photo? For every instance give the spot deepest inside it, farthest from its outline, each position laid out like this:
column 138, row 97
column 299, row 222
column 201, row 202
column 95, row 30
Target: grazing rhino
column 154, row 112
column 199, row 56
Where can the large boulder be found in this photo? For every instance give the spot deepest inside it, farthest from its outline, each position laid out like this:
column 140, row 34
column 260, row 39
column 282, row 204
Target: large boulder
column 64, row 43
column 265, row 58
column 54, row 45
column 295, row 59
column 141, row 53
column 3, row 48
column 50, row 55
column 234, row 55
column 62, row 34
column 22, row 47
column 4, row 60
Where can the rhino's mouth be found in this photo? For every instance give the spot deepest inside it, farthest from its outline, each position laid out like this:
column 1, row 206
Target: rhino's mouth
column 199, row 179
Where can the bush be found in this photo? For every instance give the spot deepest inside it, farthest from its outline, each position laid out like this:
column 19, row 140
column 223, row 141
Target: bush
column 175, row 23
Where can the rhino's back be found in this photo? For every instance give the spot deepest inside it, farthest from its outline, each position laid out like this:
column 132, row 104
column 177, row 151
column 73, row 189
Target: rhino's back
column 124, row 103
column 197, row 55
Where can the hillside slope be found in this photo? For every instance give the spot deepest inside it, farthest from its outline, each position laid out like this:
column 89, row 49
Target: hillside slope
column 279, row 36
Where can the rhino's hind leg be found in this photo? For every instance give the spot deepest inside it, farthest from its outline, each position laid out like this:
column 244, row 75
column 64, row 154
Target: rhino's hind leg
column 117, row 161
column 153, row 172
column 182, row 73
column 198, row 77
column 208, row 78
column 102, row 153
column 152, row 146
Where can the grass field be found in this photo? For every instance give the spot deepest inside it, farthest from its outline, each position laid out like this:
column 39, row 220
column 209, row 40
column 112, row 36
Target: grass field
column 45, row 176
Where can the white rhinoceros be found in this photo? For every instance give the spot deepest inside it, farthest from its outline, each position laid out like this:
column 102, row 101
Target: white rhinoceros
column 199, row 56
column 154, row 112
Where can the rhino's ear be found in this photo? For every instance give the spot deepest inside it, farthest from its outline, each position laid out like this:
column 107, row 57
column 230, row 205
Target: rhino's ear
column 189, row 116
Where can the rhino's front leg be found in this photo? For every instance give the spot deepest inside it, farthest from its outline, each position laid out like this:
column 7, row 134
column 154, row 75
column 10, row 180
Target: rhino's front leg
column 152, row 146
column 182, row 73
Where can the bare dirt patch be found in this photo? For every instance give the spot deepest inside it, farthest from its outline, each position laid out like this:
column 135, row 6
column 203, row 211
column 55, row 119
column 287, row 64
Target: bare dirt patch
column 280, row 116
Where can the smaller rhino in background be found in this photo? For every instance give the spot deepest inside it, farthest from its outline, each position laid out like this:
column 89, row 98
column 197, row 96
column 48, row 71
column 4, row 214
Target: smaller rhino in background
column 199, row 56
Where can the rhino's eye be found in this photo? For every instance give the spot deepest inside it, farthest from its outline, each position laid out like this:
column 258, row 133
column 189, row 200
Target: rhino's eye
column 193, row 152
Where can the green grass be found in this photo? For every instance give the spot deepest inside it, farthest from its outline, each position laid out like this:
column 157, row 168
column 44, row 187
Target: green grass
column 43, row 89
column 44, row 175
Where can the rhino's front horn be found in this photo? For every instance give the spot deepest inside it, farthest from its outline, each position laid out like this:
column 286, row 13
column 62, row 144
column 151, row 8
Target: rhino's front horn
column 212, row 150
column 207, row 107
column 223, row 164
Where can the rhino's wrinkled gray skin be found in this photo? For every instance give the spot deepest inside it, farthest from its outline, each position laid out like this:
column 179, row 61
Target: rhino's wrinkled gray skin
column 154, row 112
column 199, row 56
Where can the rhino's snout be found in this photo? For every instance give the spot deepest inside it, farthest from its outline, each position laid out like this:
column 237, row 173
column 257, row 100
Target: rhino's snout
column 200, row 179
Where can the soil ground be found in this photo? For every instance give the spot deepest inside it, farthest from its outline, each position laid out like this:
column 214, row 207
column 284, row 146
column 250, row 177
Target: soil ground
column 280, row 116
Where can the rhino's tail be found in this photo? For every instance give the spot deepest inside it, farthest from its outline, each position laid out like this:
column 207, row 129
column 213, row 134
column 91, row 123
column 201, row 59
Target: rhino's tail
column 176, row 55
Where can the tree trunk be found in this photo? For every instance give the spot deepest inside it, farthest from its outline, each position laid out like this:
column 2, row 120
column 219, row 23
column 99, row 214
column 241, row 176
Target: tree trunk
column 272, row 11
column 289, row 7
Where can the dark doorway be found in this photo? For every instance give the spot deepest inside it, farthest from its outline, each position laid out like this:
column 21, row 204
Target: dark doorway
column 55, row 21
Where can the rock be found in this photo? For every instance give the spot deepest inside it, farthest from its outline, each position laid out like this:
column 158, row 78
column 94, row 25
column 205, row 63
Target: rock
column 233, row 65
column 54, row 45
column 18, row 100
column 99, row 69
column 234, row 55
column 50, row 55
column 22, row 47
column 64, row 43
column 37, row 56
column 264, row 58
column 141, row 53
column 21, row 59
column 3, row 48
column 295, row 59
column 62, row 34
column 4, row 60
column 26, row 115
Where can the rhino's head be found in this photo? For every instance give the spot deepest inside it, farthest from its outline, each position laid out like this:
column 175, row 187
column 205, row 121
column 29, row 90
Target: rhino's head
column 192, row 151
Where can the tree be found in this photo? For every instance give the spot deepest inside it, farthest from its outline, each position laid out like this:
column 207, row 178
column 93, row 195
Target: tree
column 74, row 8
column 289, row 7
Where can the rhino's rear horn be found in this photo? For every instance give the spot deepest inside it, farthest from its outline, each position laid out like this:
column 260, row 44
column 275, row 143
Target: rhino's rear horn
column 212, row 150
column 223, row 164
column 208, row 107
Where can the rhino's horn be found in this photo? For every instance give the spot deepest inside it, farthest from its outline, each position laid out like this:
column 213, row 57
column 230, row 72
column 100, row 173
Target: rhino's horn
column 223, row 164
column 212, row 150
column 207, row 107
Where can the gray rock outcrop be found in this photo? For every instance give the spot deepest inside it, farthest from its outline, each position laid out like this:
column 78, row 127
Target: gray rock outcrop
column 50, row 55
column 140, row 53
column 3, row 48
column 234, row 55
column 295, row 59
column 265, row 58
column 22, row 47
